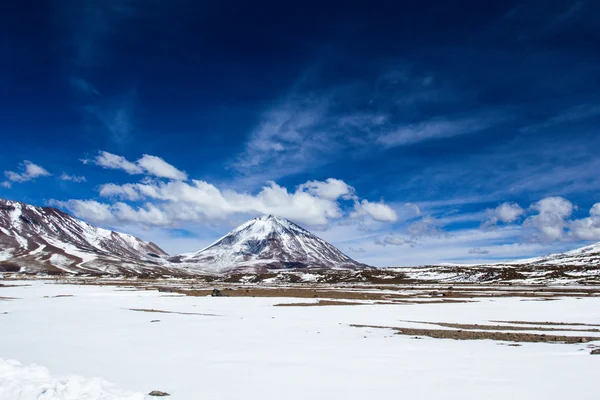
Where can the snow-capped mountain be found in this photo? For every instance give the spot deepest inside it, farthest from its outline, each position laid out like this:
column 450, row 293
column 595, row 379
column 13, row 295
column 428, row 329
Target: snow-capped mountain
column 45, row 239
column 268, row 242
column 588, row 255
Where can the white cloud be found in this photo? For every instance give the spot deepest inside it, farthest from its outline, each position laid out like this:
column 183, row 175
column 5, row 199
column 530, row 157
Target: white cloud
column 29, row 171
column 148, row 164
column 289, row 137
column 89, row 210
column 587, row 228
column 126, row 192
column 433, row 129
column 378, row 211
column 312, row 203
column 395, row 241
column 551, row 221
column 331, row 189
column 426, row 226
column 156, row 166
column 505, row 212
column 72, row 178
column 108, row 160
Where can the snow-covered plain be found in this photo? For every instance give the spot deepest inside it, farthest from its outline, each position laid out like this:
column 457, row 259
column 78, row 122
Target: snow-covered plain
column 244, row 348
column 25, row 382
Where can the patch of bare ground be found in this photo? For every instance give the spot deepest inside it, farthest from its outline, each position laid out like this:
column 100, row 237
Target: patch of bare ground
column 58, row 296
column 8, row 298
column 321, row 303
column 502, row 327
column 546, row 323
column 296, row 292
column 516, row 337
column 151, row 310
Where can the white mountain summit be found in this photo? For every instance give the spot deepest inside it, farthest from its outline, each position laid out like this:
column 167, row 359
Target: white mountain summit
column 269, row 242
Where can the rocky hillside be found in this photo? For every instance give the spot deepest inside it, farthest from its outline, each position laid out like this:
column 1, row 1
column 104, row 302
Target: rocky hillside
column 46, row 239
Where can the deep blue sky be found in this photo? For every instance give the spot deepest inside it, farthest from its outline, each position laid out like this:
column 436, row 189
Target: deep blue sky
column 453, row 131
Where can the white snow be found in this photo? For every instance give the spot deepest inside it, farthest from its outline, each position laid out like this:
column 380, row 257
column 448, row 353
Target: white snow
column 244, row 348
column 33, row 382
column 38, row 250
column 6, row 254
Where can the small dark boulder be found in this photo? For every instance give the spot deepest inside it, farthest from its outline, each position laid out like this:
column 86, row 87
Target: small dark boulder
column 595, row 351
column 158, row 393
column 217, row 293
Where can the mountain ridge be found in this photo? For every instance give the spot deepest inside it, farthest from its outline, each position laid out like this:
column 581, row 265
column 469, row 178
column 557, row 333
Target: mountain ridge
column 47, row 239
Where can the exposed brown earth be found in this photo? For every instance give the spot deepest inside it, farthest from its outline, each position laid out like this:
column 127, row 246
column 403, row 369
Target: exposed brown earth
column 151, row 310
column 546, row 323
column 502, row 327
column 479, row 335
column 320, row 303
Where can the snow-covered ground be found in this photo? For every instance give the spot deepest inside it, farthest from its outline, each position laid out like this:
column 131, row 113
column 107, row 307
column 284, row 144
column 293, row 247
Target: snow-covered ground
column 29, row 382
column 244, row 348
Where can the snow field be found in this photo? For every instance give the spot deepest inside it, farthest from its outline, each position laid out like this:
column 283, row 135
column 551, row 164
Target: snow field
column 248, row 349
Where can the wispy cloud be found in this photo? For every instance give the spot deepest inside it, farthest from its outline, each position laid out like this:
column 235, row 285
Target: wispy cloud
column 478, row 250
column 116, row 119
column 147, row 164
column 83, row 86
column 308, row 128
column 432, row 129
column 573, row 114
column 72, row 178
column 28, row 171
column 93, row 24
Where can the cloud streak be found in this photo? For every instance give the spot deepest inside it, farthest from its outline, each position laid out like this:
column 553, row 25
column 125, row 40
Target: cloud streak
column 29, row 171
column 147, row 164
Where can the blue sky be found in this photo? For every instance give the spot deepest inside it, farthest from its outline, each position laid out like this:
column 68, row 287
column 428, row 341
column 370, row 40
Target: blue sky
column 402, row 132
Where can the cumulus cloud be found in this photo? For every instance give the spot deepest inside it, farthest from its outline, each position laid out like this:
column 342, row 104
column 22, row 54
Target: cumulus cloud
column 127, row 191
column 148, row 164
column 174, row 202
column 505, row 213
column 331, row 189
column 29, row 171
column 89, row 210
column 156, row 166
column 378, row 211
column 550, row 222
column 117, row 213
column 72, row 178
column 108, row 160
column 587, row 228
